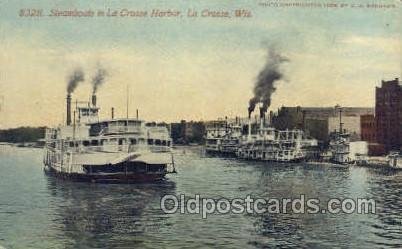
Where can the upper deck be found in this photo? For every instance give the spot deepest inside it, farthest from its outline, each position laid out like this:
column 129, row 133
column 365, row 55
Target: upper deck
column 116, row 126
column 113, row 128
column 86, row 130
column 222, row 129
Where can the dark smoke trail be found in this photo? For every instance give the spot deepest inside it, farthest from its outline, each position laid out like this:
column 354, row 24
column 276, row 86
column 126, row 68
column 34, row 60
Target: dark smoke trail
column 98, row 79
column 264, row 86
column 76, row 77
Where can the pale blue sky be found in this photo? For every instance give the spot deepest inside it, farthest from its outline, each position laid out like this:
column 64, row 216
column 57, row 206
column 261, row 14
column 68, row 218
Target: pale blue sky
column 337, row 56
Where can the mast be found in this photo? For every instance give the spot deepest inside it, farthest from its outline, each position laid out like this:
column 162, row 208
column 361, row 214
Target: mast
column 340, row 118
column 127, row 101
column 340, row 121
column 226, row 124
column 74, row 127
column 127, row 128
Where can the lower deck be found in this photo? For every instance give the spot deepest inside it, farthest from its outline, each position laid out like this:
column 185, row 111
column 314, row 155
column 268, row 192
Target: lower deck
column 112, row 173
column 277, row 156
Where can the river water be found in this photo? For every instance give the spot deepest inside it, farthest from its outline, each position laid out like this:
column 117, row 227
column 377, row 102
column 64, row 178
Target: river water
column 37, row 211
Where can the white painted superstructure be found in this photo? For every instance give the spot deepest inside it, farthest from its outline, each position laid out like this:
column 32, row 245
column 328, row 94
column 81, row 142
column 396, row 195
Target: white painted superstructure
column 270, row 144
column 126, row 149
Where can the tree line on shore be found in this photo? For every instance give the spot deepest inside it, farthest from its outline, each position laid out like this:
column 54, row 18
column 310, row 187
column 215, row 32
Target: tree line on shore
column 22, row 134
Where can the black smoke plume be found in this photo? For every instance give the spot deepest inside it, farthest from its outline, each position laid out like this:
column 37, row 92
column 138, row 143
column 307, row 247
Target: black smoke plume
column 74, row 79
column 265, row 85
column 98, row 79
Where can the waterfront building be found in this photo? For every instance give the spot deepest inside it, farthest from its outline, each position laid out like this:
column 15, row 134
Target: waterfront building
column 368, row 129
column 319, row 122
column 388, row 113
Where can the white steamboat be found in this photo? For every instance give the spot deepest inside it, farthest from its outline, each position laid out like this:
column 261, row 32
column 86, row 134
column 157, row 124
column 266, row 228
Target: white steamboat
column 118, row 150
column 223, row 137
column 259, row 142
column 270, row 144
column 339, row 146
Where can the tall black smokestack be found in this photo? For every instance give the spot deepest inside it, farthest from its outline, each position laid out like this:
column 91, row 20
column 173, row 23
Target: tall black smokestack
column 93, row 100
column 74, row 79
column 262, row 117
column 264, row 86
column 97, row 80
column 262, row 113
column 68, row 109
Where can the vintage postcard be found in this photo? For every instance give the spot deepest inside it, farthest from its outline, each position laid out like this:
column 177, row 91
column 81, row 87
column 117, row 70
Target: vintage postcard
column 200, row 124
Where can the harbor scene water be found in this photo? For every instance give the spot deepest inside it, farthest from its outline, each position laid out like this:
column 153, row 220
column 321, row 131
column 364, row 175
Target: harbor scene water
column 40, row 211
column 208, row 124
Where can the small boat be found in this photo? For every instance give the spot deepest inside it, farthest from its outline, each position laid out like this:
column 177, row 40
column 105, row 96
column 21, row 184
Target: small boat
column 339, row 146
column 395, row 160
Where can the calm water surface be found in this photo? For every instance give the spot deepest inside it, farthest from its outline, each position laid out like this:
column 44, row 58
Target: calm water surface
column 37, row 211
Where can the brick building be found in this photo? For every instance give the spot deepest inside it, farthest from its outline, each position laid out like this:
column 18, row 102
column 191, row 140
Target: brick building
column 319, row 122
column 388, row 113
column 368, row 128
column 369, row 134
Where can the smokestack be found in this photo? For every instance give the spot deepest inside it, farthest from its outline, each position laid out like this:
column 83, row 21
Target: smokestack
column 93, row 100
column 271, row 114
column 249, row 128
column 68, row 109
column 137, row 114
column 112, row 112
column 262, row 115
column 74, row 79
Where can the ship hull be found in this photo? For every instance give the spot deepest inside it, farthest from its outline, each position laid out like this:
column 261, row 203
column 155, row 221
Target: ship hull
column 105, row 177
column 295, row 160
column 221, row 153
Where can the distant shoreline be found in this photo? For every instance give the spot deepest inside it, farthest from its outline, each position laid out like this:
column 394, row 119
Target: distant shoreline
column 37, row 145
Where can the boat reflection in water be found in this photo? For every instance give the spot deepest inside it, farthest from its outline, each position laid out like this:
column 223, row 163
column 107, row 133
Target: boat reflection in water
column 108, row 215
column 52, row 213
